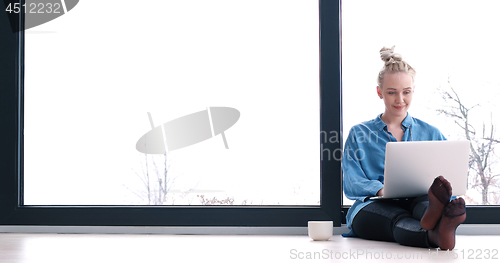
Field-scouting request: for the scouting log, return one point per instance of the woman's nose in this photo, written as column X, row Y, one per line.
column 399, row 98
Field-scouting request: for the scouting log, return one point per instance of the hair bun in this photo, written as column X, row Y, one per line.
column 388, row 56
column 393, row 63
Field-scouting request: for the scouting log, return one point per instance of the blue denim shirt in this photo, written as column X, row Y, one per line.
column 364, row 157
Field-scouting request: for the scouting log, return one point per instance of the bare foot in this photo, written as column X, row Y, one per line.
column 439, row 196
column 444, row 233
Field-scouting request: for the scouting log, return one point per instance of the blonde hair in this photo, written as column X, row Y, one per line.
column 393, row 63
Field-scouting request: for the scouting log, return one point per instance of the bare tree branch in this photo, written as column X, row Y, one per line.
column 482, row 149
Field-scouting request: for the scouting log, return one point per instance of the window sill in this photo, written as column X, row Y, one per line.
column 464, row 229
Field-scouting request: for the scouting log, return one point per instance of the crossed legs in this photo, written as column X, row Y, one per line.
column 427, row 221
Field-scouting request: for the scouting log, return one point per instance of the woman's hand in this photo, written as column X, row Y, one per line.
column 380, row 192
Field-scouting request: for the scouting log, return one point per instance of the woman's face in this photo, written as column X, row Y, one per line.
column 397, row 92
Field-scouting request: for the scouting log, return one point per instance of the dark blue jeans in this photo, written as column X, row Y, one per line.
column 394, row 221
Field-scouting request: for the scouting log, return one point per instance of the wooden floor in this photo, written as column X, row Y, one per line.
column 88, row 248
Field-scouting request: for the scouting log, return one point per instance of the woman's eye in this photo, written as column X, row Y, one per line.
column 391, row 93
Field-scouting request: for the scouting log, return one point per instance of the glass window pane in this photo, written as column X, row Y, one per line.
column 241, row 78
column 452, row 48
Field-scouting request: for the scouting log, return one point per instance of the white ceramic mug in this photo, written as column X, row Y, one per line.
column 320, row 230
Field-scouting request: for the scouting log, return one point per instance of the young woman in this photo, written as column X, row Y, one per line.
column 425, row 221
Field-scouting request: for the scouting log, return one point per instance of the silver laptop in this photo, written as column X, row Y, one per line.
column 410, row 167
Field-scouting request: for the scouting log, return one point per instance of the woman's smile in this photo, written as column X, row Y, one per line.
column 399, row 107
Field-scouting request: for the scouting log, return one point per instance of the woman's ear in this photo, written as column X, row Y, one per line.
column 379, row 92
